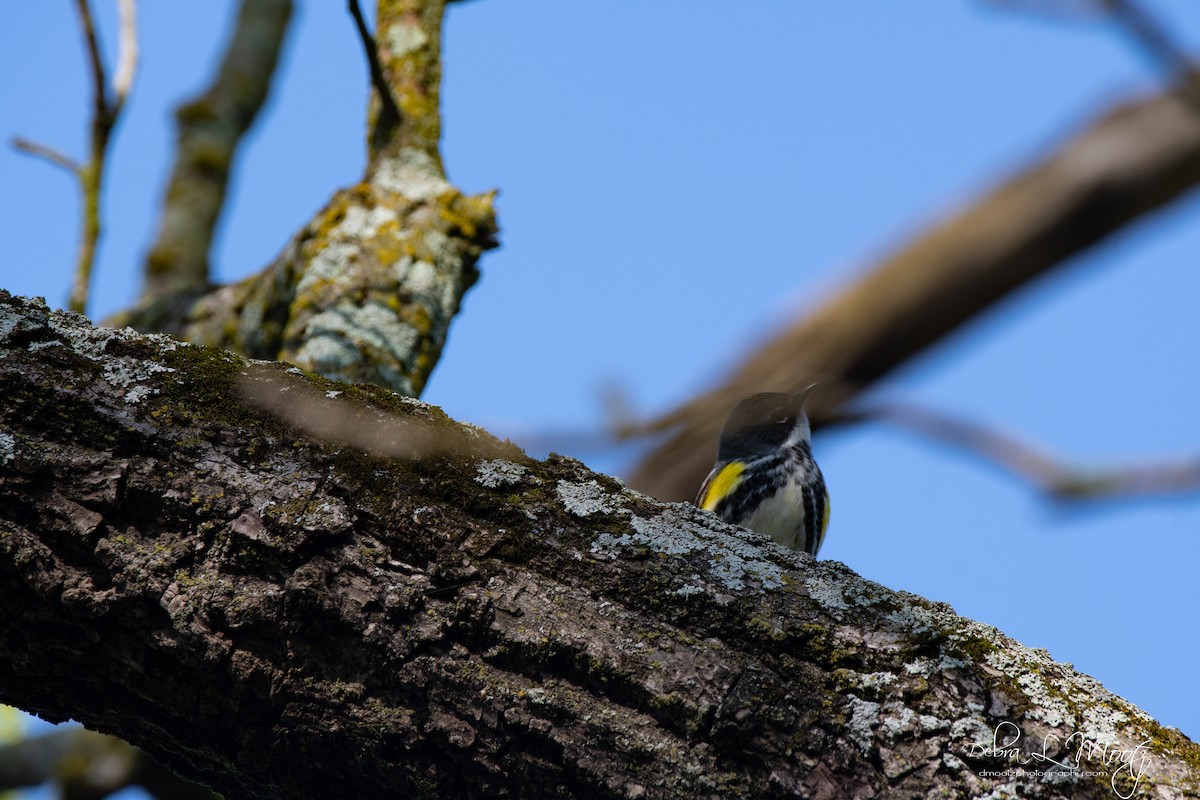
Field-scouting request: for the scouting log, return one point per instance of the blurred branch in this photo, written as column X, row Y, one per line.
column 85, row 765
column 330, row 417
column 210, row 129
column 106, row 110
column 47, row 153
column 1051, row 475
column 127, row 50
column 1157, row 43
column 389, row 115
column 1133, row 160
column 1138, row 25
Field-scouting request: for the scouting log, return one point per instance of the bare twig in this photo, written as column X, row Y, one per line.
column 91, row 177
column 389, row 114
column 1158, row 44
column 95, row 61
column 1046, row 472
column 48, row 154
column 106, row 109
column 1138, row 25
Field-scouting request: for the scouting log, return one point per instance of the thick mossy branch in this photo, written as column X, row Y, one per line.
column 366, row 291
column 279, row 615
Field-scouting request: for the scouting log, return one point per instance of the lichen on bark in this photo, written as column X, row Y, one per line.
column 281, row 614
column 367, row 289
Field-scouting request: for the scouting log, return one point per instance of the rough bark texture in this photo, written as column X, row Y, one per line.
column 1136, row 158
column 366, row 290
column 281, row 616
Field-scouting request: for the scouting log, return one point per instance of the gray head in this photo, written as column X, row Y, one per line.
column 762, row 423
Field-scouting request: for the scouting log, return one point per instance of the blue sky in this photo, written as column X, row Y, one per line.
column 680, row 179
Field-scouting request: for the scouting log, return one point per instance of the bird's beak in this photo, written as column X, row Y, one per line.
column 802, row 396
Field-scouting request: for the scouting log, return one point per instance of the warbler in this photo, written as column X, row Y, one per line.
column 765, row 478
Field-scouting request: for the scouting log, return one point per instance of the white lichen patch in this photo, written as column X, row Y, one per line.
column 826, row 592
column 1055, row 695
column 864, row 716
column 877, row 680
column 9, row 320
column 585, row 499
column 93, row 344
column 495, row 473
column 332, row 262
column 731, row 557
column 436, row 286
column 471, row 430
column 333, row 338
column 139, row 393
column 404, row 37
column 897, row 723
column 361, row 223
column 412, row 173
column 8, row 448
column 419, row 277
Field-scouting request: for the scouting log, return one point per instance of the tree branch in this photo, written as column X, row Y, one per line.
column 48, row 154
column 106, row 111
column 1057, row 479
column 1157, row 43
column 127, row 51
column 365, row 291
column 280, row 616
column 1139, row 26
column 1135, row 159
column 100, row 104
column 210, row 129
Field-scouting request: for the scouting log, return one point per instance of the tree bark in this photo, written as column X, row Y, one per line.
column 279, row 615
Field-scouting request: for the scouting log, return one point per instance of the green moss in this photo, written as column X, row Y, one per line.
column 975, row 649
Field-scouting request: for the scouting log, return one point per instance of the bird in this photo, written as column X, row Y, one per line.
column 765, row 478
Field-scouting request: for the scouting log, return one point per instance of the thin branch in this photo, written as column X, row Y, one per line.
column 105, row 111
column 95, row 61
column 1157, row 43
column 127, row 52
column 48, row 154
column 389, row 115
column 1051, row 475
column 1138, row 24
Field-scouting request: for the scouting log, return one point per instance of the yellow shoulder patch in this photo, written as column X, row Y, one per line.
column 721, row 484
column 825, row 516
